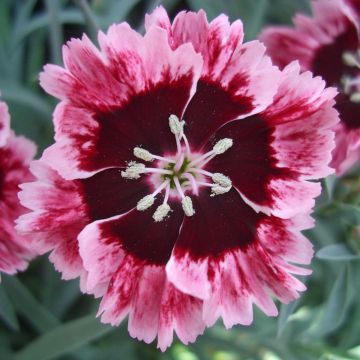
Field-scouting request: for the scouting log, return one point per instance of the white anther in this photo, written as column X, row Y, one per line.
column 219, row 190
column 222, row 145
column 145, row 202
column 221, row 179
column 143, row 154
column 187, row 206
column 350, row 59
column 176, row 126
column 161, row 212
column 355, row 97
column 133, row 170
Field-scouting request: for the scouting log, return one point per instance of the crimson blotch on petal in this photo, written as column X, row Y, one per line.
column 189, row 164
column 328, row 45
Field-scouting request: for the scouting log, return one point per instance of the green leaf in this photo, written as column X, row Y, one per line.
column 26, row 305
column 285, row 311
column 329, row 184
column 7, row 312
column 56, row 38
column 336, row 252
column 337, row 305
column 68, row 16
column 64, row 339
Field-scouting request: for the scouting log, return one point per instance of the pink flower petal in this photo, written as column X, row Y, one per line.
column 59, row 215
column 15, row 156
column 319, row 43
column 153, row 83
column 232, row 264
column 4, row 123
column 282, row 147
column 236, row 81
column 130, row 259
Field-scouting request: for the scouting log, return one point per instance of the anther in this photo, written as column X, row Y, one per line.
column 355, row 97
column 143, row 154
column 350, row 59
column 176, row 126
column 161, row 212
column 133, row 170
column 222, row 145
column 222, row 180
column 219, row 190
column 145, row 202
column 187, row 206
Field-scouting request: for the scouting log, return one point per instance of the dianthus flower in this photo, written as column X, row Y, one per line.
column 328, row 45
column 16, row 153
column 177, row 186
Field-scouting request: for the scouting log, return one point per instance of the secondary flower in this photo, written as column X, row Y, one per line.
column 15, row 156
column 328, row 45
column 177, row 186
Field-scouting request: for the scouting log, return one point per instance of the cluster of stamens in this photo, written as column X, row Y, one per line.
column 351, row 84
column 179, row 174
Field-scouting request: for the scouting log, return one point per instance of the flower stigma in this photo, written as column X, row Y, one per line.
column 178, row 175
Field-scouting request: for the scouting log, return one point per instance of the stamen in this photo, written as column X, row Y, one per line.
column 186, row 141
column 157, row 171
column 355, row 97
column 145, row 202
column 178, row 187
column 193, row 182
column 350, row 59
column 161, row 187
column 222, row 180
column 167, row 193
column 222, row 145
column 187, row 206
column 219, row 148
column 143, row 154
column 219, row 190
column 133, row 170
column 176, row 126
column 179, row 162
column 200, row 171
column 148, row 200
column 161, row 212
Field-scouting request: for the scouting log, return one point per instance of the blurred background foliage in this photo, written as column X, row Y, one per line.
column 43, row 317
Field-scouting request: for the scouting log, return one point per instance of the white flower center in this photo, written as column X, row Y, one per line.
column 180, row 174
column 351, row 83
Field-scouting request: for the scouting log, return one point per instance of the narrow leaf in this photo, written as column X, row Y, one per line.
column 7, row 312
column 63, row 339
column 336, row 252
column 28, row 306
column 336, row 306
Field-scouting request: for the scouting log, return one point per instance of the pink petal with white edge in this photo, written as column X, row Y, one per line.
column 154, row 306
column 282, row 147
column 303, row 116
column 15, row 156
column 230, row 266
column 180, row 313
column 129, row 258
column 4, row 123
column 240, row 69
column 332, row 20
column 236, row 81
column 154, row 82
column 347, row 152
column 58, row 216
column 158, row 17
